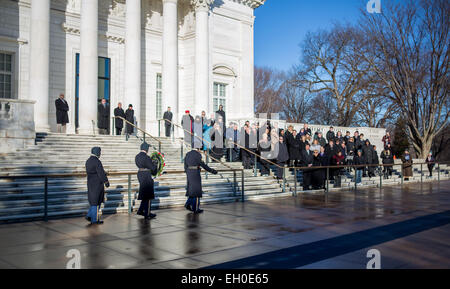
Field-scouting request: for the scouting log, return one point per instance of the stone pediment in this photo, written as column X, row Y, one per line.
column 224, row 69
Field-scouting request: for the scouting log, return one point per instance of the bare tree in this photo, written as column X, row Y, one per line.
column 331, row 64
column 409, row 44
column 377, row 111
column 267, row 90
column 322, row 109
column 295, row 100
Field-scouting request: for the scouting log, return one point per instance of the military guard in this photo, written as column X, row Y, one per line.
column 192, row 166
column 146, row 190
column 96, row 180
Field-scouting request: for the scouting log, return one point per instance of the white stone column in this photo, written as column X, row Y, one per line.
column 88, row 103
column 170, row 58
column 40, row 62
column 133, row 58
column 201, row 92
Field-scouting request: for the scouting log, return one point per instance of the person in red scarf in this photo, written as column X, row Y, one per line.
column 187, row 123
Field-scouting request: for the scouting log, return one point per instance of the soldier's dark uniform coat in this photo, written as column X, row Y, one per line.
column 96, row 178
column 194, row 180
column 146, row 189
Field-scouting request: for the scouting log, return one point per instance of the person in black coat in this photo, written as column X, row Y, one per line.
column 167, row 121
column 318, row 174
column 307, row 161
column 264, row 148
column 96, row 182
column 282, row 158
column 430, row 160
column 217, row 142
column 331, row 149
column 146, row 185
column 129, row 116
column 62, row 118
column 387, row 158
column 368, row 153
column 293, row 144
column 103, row 117
column 118, row 122
column 330, row 134
column 246, row 154
column 192, row 166
column 221, row 112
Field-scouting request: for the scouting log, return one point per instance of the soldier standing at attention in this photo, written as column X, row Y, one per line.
column 192, row 166
column 96, row 180
column 146, row 190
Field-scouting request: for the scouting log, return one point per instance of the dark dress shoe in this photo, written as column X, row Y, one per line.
column 199, row 211
column 140, row 213
column 87, row 219
column 188, row 207
column 150, row 216
column 98, row 222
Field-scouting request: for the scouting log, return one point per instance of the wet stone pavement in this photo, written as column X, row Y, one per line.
column 409, row 225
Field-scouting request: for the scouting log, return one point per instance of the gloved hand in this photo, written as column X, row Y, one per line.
column 107, row 184
column 214, row 172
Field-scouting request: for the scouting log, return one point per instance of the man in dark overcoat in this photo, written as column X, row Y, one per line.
column 307, row 161
column 192, row 166
column 129, row 116
column 146, row 185
column 118, row 111
column 103, row 117
column 282, row 157
column 62, row 117
column 221, row 113
column 96, row 180
column 168, row 121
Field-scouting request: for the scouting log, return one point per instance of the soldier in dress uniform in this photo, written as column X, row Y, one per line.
column 96, row 180
column 146, row 190
column 192, row 166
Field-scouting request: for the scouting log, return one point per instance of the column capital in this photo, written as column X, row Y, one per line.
column 201, row 4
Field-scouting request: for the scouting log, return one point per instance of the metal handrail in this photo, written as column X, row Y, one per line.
column 141, row 130
column 55, row 176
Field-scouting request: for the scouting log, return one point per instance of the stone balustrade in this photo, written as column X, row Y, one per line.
column 17, row 128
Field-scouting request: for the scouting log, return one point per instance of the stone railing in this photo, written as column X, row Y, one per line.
column 16, row 124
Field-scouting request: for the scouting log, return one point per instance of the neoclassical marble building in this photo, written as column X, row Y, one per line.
column 187, row 54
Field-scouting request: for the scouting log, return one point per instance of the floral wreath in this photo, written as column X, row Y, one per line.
column 159, row 158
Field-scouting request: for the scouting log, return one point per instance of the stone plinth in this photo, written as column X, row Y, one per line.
column 17, row 129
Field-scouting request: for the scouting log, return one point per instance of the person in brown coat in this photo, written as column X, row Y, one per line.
column 407, row 171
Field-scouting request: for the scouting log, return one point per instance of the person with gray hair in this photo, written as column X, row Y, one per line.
column 62, row 117
column 96, row 182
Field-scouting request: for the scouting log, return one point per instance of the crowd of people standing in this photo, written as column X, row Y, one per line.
column 265, row 145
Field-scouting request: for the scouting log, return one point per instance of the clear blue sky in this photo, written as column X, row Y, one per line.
column 280, row 26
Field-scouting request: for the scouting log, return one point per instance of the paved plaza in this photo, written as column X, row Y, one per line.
column 409, row 225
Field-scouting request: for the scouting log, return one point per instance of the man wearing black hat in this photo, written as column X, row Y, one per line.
column 192, row 166
column 96, row 180
column 146, row 190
